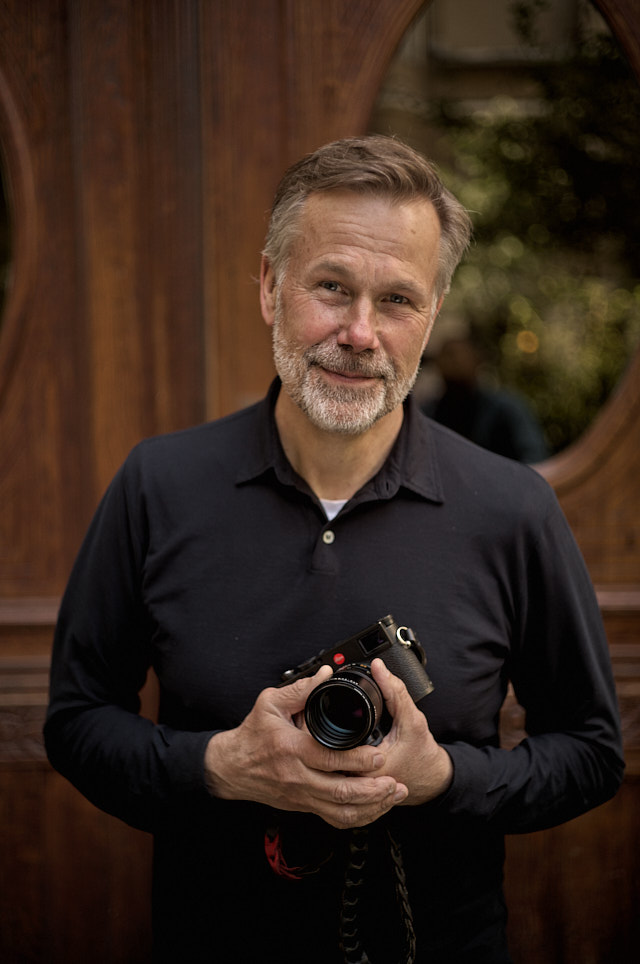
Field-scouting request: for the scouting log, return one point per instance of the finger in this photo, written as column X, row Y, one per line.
column 364, row 792
column 293, row 697
column 361, row 759
column 353, row 813
column 373, row 795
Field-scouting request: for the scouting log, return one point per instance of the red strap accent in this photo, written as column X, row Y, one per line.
column 273, row 850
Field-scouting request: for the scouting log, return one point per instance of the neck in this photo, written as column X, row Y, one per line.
column 334, row 465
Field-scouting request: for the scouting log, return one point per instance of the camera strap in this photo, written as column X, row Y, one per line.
column 296, row 839
column 355, row 853
column 278, row 863
column 350, row 939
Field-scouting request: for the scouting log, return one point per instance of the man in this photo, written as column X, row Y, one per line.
column 226, row 554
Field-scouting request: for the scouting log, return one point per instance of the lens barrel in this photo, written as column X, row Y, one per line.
column 343, row 712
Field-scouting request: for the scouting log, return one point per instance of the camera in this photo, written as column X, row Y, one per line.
column 348, row 709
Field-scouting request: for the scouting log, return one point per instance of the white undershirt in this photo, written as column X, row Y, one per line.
column 332, row 507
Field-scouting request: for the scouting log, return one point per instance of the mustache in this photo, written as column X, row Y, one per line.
column 344, row 361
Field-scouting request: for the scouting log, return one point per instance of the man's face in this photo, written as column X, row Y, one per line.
column 353, row 312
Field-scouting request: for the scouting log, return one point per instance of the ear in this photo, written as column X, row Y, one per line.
column 267, row 291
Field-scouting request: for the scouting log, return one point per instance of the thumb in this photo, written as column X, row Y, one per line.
column 392, row 688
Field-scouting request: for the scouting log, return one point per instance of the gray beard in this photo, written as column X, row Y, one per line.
column 338, row 408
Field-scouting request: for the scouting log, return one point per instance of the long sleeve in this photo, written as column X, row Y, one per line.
column 122, row 762
column 572, row 758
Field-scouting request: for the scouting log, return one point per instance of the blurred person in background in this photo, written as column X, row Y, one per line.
column 496, row 419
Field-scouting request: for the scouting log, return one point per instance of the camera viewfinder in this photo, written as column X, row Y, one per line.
column 372, row 641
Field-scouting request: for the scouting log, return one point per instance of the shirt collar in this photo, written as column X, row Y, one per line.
column 412, row 463
column 414, row 457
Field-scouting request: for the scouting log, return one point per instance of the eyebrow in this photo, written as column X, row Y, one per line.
column 331, row 267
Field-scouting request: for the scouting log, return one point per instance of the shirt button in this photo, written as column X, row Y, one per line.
column 328, row 536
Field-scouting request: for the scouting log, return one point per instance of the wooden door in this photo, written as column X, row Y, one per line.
column 142, row 141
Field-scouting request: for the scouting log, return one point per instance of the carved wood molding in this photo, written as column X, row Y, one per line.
column 29, row 611
column 619, row 599
column 625, row 659
column 24, row 684
column 618, row 420
column 622, row 17
column 620, row 607
column 24, row 679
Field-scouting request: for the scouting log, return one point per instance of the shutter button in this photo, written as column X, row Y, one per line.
column 328, row 536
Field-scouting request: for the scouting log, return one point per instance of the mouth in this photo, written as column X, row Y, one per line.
column 350, row 376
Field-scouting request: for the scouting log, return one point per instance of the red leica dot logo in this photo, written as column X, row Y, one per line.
column 338, row 659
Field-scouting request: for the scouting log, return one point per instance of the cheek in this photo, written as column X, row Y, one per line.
column 305, row 321
column 405, row 349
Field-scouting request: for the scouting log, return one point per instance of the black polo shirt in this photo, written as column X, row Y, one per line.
column 211, row 560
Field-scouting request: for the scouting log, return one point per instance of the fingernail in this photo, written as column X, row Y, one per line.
column 401, row 794
column 378, row 761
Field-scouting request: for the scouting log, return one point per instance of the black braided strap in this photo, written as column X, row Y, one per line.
column 350, row 939
column 402, row 895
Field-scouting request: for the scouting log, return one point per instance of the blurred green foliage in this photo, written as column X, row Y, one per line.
column 551, row 287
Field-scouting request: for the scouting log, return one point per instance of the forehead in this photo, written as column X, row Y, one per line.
column 354, row 226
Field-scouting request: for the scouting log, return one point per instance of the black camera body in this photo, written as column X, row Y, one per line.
column 348, row 709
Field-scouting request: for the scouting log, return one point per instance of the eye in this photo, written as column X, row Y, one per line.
column 398, row 300
column 330, row 285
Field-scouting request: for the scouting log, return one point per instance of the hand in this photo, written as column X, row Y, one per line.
column 270, row 760
column 412, row 755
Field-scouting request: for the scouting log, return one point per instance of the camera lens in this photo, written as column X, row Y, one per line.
column 343, row 711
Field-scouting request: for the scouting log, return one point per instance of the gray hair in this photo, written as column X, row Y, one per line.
column 375, row 165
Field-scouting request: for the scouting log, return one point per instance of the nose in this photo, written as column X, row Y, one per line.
column 359, row 330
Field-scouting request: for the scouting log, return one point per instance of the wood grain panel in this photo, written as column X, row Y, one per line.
column 41, row 361
column 105, row 69
column 23, row 864
column 101, row 338
column 573, row 892
column 98, row 882
column 137, row 152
